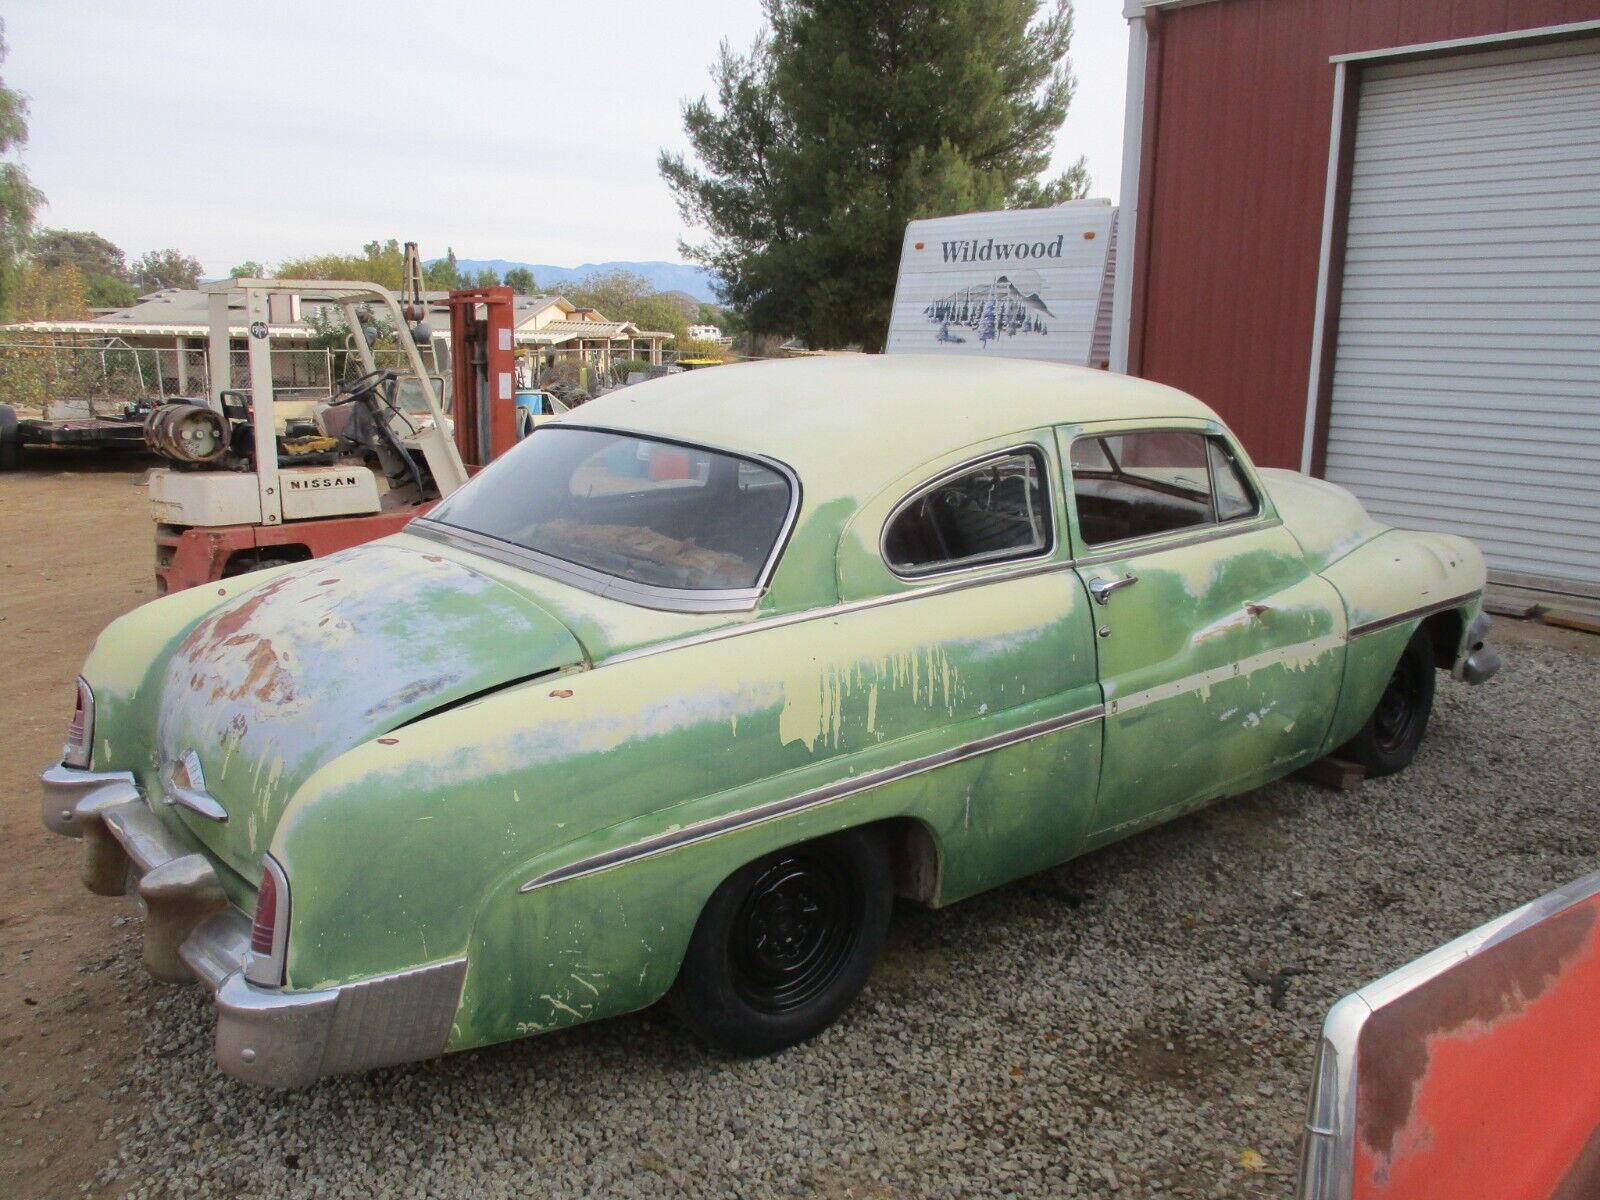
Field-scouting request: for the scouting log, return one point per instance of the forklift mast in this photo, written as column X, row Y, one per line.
column 482, row 337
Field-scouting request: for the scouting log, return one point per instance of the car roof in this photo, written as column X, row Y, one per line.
column 850, row 423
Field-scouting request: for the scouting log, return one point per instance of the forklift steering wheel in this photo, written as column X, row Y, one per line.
column 357, row 388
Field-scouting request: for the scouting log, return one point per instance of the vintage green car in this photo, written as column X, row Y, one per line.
column 680, row 693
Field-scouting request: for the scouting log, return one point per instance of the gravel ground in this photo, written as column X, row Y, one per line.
column 1130, row 1024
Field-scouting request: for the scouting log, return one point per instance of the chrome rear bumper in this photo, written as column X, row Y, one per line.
column 267, row 1036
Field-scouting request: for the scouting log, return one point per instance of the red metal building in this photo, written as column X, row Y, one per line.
column 1367, row 232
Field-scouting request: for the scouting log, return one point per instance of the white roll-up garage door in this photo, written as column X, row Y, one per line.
column 1466, row 390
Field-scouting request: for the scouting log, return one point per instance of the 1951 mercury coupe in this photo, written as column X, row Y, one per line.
column 677, row 695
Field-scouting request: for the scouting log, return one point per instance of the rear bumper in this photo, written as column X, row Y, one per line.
column 268, row 1036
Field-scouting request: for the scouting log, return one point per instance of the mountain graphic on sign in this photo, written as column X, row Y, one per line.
column 997, row 309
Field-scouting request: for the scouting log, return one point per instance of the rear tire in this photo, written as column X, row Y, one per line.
column 1389, row 740
column 785, row 943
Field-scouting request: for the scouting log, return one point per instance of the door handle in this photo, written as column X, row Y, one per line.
column 1101, row 589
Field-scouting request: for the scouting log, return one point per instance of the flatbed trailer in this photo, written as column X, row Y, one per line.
column 101, row 425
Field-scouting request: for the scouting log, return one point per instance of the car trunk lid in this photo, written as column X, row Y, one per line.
column 289, row 675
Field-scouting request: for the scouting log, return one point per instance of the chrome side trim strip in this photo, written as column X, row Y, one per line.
column 1132, row 546
column 1426, row 610
column 827, row 794
column 1206, row 679
column 836, row 610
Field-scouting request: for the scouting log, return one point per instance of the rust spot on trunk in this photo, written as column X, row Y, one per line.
column 266, row 680
column 1487, row 988
column 1582, row 1180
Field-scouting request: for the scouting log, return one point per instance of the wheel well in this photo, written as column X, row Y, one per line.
column 249, row 560
column 913, row 857
column 1445, row 631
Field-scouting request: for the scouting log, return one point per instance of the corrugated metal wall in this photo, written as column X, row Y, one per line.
column 1238, row 102
column 1466, row 387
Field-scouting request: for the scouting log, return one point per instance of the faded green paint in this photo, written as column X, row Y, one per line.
column 532, row 778
column 414, row 848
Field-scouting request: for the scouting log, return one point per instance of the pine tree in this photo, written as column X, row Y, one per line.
column 849, row 118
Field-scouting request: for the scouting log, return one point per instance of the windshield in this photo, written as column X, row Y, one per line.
column 653, row 513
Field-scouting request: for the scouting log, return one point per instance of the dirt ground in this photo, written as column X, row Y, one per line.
column 75, row 551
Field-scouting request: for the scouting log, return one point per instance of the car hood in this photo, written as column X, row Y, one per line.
column 287, row 676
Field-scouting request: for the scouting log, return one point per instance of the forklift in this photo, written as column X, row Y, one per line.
column 257, row 481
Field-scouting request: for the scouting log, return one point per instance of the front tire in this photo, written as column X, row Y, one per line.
column 1389, row 740
column 785, row 943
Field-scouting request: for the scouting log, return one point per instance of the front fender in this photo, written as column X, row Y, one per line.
column 1390, row 586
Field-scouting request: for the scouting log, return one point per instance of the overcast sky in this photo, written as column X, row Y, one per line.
column 522, row 130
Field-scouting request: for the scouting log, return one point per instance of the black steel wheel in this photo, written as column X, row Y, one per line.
column 785, row 943
column 1389, row 740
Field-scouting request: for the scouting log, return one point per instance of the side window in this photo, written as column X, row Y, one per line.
column 988, row 512
column 1136, row 485
column 1232, row 490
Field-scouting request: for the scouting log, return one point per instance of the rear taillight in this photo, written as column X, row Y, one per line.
column 269, row 930
column 80, row 733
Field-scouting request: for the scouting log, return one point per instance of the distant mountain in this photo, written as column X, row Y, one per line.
column 663, row 276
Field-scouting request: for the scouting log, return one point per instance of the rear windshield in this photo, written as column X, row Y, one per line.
column 650, row 512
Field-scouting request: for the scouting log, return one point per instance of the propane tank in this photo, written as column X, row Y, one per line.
column 187, row 433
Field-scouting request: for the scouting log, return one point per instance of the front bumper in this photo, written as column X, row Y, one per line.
column 1479, row 660
column 268, row 1036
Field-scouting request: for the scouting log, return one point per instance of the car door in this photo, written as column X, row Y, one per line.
column 1219, row 652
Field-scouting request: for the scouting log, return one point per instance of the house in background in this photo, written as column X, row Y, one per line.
column 158, row 346
column 1368, row 234
column 557, row 329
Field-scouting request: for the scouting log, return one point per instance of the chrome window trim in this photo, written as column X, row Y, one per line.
column 701, row 831
column 597, row 583
column 614, row 587
column 1205, row 430
column 1231, row 453
column 1412, row 614
column 269, row 971
column 975, row 561
column 1327, row 1153
column 1151, row 543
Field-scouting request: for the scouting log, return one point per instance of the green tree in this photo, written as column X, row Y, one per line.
column 248, row 269
column 19, row 199
column 101, row 264
column 521, row 281
column 41, row 293
column 157, row 269
column 382, row 263
column 621, row 295
column 849, row 118
column 487, row 277
column 443, row 273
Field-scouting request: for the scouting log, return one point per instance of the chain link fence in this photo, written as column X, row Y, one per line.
column 36, row 377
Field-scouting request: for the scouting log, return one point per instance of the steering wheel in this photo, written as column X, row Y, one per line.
column 349, row 393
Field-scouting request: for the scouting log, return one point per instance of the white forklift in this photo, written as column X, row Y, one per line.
column 257, row 480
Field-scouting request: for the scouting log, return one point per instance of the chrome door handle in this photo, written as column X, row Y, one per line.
column 1101, row 589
